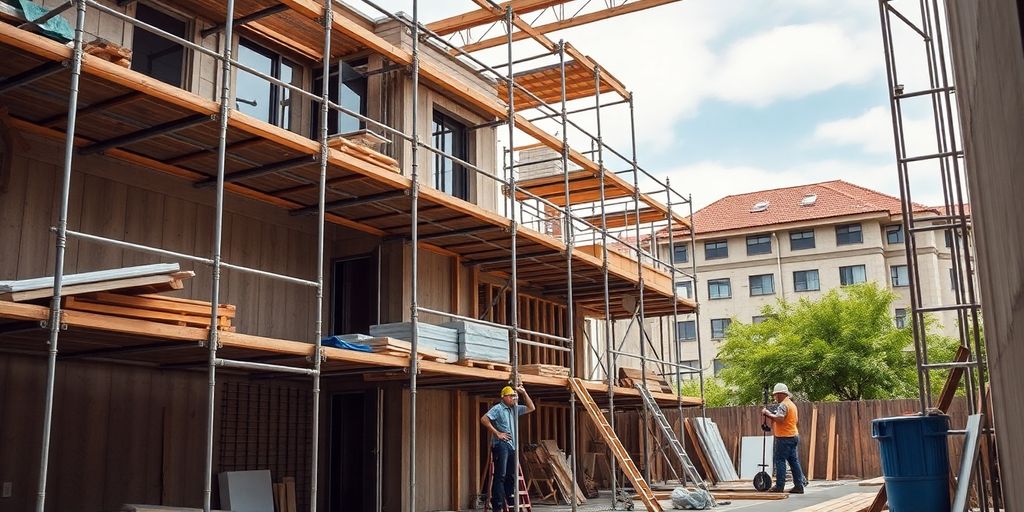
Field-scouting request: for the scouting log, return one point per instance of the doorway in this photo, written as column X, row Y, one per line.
column 353, row 449
column 355, row 294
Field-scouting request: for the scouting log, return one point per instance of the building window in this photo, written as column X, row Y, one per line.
column 716, row 250
column 901, row 318
column 852, row 275
column 719, row 366
column 256, row 96
column 849, row 234
column 352, row 83
column 687, row 372
column 686, row 330
column 756, row 319
column 449, row 136
column 759, row 244
column 155, row 56
column 762, row 285
column 680, row 254
column 719, row 326
column 806, row 281
column 953, row 279
column 684, row 289
column 948, row 235
column 894, row 234
column 899, row 276
column 719, row 289
column 801, row 240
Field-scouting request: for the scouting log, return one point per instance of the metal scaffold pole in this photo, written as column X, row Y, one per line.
column 675, row 311
column 414, row 307
column 641, row 327
column 696, row 309
column 514, row 227
column 61, row 246
column 218, row 235
column 569, row 242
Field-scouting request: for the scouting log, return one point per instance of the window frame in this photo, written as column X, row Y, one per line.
column 724, row 328
column 900, row 321
column 894, row 275
column 675, row 253
column 460, row 149
column 894, row 229
column 760, row 242
column 688, row 284
column 720, row 251
column 795, row 240
column 686, row 325
column 853, row 275
column 807, row 288
column 275, row 92
column 358, row 85
column 771, row 281
column 718, row 284
column 844, row 234
column 186, row 34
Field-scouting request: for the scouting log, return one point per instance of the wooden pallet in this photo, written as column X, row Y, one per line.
column 856, row 502
column 154, row 308
column 546, row 370
column 487, row 365
column 625, row 462
column 630, row 377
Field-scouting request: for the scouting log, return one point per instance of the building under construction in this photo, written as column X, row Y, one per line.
column 211, row 191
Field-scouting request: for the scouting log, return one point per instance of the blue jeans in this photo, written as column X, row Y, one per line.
column 785, row 451
column 503, row 484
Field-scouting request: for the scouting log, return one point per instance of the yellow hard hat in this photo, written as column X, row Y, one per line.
column 507, row 390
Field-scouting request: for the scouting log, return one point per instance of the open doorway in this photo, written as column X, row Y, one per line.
column 355, row 294
column 353, row 445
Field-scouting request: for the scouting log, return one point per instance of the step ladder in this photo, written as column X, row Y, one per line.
column 524, row 491
column 670, row 436
column 628, row 467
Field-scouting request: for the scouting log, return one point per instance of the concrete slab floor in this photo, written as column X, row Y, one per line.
column 819, row 491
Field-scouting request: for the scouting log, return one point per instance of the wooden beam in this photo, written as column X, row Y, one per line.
column 457, row 449
column 814, row 439
column 486, row 15
column 830, row 460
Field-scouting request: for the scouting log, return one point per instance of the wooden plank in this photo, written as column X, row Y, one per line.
column 456, row 476
column 149, row 283
column 855, row 502
column 811, row 446
column 830, row 462
column 289, row 494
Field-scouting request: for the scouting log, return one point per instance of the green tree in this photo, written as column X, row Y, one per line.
column 843, row 346
column 716, row 394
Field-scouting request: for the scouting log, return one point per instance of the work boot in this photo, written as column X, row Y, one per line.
column 796, row 490
column 776, row 489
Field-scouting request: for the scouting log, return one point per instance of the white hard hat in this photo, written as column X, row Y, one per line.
column 781, row 388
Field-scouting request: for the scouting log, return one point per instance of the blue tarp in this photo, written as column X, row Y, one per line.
column 337, row 342
column 56, row 28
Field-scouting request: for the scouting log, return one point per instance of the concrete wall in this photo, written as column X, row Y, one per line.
column 988, row 63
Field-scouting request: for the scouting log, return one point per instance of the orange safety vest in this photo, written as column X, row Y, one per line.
column 787, row 426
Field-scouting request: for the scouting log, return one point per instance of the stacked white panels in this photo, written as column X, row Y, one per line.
column 436, row 337
column 481, row 342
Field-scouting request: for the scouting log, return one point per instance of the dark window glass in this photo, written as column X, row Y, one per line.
column 894, row 234
column 759, row 244
column 801, row 240
column 719, row 366
column 155, row 56
column 762, row 285
column 806, row 280
column 899, row 276
column 449, row 136
column 680, row 254
column 952, row 279
column 352, row 84
column 256, row 96
column 686, row 372
column 852, row 275
column 719, row 326
column 849, row 234
column 719, row 289
column 685, row 289
column 686, row 330
column 901, row 318
column 758, row 319
column 716, row 250
column 948, row 238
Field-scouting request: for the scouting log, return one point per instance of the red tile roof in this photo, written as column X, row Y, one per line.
column 832, row 199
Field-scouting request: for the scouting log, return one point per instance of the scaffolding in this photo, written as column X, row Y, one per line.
column 524, row 206
column 931, row 94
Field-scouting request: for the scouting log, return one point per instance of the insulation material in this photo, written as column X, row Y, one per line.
column 90, row 277
column 750, row 455
column 246, row 491
column 479, row 342
column 714, row 449
column 436, row 337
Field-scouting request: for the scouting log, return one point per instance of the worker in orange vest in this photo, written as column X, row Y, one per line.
column 787, row 439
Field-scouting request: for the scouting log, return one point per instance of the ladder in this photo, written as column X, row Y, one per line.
column 523, row 489
column 628, row 467
column 670, row 436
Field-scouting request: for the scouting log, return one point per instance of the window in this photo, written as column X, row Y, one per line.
column 759, row 244
column 852, row 275
column 894, row 234
column 806, row 281
column 155, row 56
column 719, row 366
column 449, row 136
column 801, row 240
column 762, row 285
column 719, row 289
column 716, row 250
column 680, row 254
column 686, row 330
column 949, row 238
column 900, row 318
column 687, row 372
column 719, row 326
column 685, row 289
column 953, row 279
column 758, row 319
column 256, row 96
column 899, row 276
column 352, row 83
column 849, row 234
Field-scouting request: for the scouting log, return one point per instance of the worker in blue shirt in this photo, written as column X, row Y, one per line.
column 499, row 421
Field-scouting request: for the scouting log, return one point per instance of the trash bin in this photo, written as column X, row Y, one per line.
column 915, row 461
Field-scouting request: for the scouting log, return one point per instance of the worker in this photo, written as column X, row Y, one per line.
column 787, row 439
column 499, row 420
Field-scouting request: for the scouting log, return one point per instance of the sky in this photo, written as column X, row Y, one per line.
column 733, row 96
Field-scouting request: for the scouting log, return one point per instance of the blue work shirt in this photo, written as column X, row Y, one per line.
column 501, row 418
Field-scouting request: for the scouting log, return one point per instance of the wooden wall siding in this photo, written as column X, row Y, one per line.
column 120, row 434
column 265, row 426
column 433, row 449
column 535, row 314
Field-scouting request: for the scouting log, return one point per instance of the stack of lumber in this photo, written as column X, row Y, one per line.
column 284, row 495
column 156, row 278
column 155, row 308
column 393, row 347
column 538, row 476
column 478, row 342
column 441, row 339
column 109, row 52
column 560, row 470
column 856, row 502
column 361, row 152
column 710, row 449
column 546, row 370
column 630, row 377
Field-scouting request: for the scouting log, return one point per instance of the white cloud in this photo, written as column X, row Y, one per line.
column 872, row 132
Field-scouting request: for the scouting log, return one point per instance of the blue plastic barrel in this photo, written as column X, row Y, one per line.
column 915, row 461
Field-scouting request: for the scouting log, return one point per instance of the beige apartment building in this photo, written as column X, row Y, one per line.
column 794, row 243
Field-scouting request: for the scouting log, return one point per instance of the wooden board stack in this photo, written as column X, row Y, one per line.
column 109, row 51
column 559, row 468
column 629, row 377
column 546, row 370
column 856, row 502
column 441, row 339
column 393, row 347
column 155, row 308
